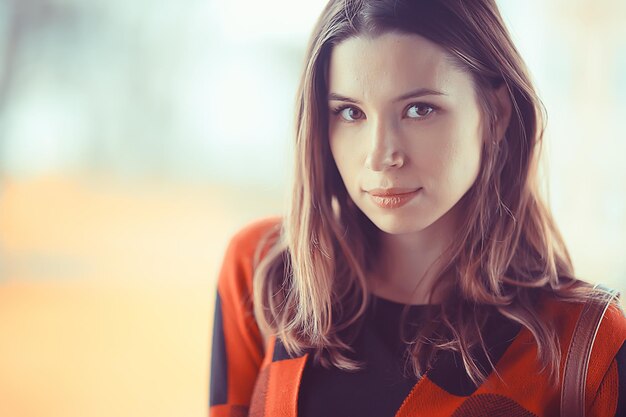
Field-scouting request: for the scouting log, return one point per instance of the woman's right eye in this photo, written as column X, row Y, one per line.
column 349, row 114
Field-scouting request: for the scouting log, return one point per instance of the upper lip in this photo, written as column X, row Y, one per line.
column 383, row 192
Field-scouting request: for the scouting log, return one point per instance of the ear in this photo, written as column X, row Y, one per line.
column 502, row 106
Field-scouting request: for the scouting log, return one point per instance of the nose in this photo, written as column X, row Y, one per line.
column 384, row 150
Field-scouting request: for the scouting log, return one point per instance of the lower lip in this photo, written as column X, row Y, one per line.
column 393, row 201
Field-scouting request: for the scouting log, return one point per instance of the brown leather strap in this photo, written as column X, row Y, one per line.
column 579, row 353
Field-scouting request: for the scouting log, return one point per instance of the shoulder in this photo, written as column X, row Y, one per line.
column 564, row 315
column 246, row 241
column 244, row 248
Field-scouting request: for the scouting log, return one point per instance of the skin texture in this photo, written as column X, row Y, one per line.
column 432, row 142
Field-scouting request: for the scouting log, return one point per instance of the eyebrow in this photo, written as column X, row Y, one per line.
column 411, row 94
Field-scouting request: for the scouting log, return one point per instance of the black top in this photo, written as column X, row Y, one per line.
column 379, row 389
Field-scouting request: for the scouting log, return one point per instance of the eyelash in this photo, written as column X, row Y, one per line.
column 341, row 108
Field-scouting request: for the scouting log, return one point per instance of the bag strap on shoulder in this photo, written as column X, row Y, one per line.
column 579, row 353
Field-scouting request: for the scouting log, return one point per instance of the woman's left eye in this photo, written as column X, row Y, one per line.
column 419, row 111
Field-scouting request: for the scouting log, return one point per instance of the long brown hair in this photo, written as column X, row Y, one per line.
column 310, row 288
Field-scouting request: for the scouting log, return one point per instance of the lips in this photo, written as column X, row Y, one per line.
column 390, row 192
column 391, row 198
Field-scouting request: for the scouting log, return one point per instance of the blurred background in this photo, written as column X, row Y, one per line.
column 137, row 136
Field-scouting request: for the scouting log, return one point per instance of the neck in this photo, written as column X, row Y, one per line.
column 409, row 264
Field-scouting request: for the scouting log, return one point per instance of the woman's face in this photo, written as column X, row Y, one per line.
column 404, row 130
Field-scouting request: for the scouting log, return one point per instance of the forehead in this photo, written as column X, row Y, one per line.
column 391, row 64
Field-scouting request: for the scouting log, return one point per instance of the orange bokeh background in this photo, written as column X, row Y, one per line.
column 106, row 295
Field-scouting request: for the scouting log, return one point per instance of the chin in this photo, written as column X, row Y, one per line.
column 394, row 225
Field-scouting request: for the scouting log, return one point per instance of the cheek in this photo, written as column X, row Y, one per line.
column 452, row 157
column 464, row 157
column 436, row 151
column 345, row 159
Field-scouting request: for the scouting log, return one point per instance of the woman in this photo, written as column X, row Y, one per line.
column 418, row 271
